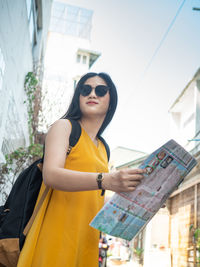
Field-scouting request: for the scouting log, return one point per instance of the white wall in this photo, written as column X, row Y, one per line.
column 61, row 67
column 157, row 251
column 183, row 117
column 16, row 55
column 16, row 51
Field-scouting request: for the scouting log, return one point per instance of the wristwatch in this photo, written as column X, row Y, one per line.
column 99, row 182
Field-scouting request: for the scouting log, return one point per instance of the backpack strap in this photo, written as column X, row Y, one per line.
column 36, row 210
column 73, row 139
column 106, row 146
column 75, row 134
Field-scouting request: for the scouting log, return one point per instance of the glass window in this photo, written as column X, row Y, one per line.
column 75, row 21
column 28, row 6
column 78, row 58
column 84, row 59
column 31, row 28
column 33, row 20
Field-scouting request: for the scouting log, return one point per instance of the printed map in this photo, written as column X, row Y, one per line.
column 125, row 214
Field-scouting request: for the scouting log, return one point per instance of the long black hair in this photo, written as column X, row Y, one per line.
column 74, row 111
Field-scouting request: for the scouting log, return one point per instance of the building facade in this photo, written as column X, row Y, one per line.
column 183, row 204
column 68, row 57
column 169, row 240
column 185, row 115
column 23, row 32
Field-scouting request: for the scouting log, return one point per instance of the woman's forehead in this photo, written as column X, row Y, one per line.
column 96, row 80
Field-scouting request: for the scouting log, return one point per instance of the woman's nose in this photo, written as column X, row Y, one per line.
column 93, row 94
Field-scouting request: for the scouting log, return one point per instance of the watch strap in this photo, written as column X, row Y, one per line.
column 99, row 183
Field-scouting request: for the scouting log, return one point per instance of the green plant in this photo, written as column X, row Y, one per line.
column 196, row 240
column 23, row 156
column 109, row 253
column 30, row 86
column 15, row 162
column 138, row 251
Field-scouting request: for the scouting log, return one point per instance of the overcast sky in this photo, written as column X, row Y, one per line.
column 151, row 49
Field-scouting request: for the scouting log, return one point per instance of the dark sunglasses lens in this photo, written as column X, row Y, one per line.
column 86, row 90
column 101, row 90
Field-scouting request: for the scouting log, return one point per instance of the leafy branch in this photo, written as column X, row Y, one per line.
column 23, row 156
column 30, row 88
column 196, row 240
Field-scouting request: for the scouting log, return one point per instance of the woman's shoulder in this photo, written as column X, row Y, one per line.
column 61, row 125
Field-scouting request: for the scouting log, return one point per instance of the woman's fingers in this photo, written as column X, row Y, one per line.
column 136, row 171
column 135, row 177
column 134, row 183
column 124, row 180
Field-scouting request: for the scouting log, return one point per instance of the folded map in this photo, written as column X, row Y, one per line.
column 126, row 214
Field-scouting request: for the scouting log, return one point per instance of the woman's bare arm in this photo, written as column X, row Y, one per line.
column 57, row 177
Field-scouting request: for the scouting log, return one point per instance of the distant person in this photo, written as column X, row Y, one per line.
column 103, row 248
column 60, row 235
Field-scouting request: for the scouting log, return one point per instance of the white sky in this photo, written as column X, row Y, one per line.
column 127, row 33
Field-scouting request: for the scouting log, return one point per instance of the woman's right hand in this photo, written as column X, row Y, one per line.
column 124, row 180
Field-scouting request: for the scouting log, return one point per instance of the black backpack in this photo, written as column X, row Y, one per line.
column 16, row 215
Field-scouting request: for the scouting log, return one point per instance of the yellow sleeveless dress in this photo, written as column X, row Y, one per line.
column 60, row 235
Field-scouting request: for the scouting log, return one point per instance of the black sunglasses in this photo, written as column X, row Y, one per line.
column 100, row 90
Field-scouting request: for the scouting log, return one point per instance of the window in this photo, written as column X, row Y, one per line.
column 84, row 59
column 81, row 58
column 71, row 20
column 34, row 19
column 78, row 58
column 28, row 6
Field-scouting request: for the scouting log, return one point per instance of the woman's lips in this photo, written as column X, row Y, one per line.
column 92, row 103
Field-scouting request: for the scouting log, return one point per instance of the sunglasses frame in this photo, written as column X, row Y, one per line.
column 97, row 88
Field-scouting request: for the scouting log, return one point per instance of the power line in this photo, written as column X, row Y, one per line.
column 163, row 39
column 158, row 47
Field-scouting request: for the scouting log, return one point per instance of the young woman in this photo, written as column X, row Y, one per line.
column 60, row 235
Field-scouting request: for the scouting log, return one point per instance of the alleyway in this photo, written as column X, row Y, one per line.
column 122, row 264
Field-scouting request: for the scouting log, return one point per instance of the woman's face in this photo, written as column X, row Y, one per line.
column 92, row 104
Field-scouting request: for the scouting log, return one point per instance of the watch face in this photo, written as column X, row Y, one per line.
column 99, row 177
column 99, row 180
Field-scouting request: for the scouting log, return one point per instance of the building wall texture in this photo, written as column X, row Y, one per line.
column 182, row 217
column 17, row 57
column 67, row 46
column 184, row 203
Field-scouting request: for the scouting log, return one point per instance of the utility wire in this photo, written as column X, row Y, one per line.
column 158, row 47
column 163, row 39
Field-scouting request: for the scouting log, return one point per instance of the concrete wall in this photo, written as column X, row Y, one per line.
column 185, row 115
column 182, row 216
column 61, row 69
column 17, row 55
